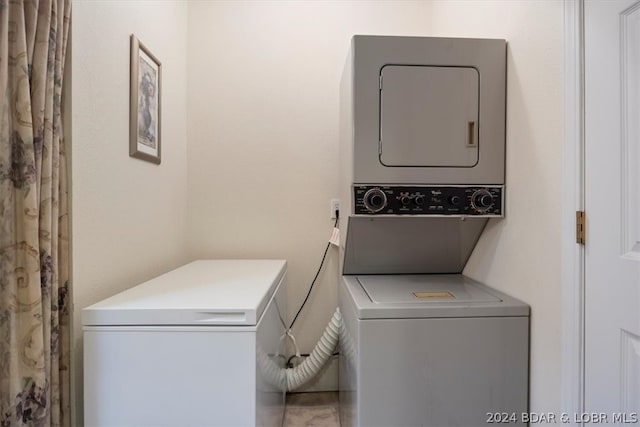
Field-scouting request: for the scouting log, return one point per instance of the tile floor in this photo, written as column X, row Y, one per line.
column 312, row 410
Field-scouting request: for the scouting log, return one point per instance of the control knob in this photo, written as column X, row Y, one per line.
column 454, row 200
column 375, row 200
column 482, row 200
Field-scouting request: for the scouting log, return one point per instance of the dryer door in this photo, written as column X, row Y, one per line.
column 429, row 116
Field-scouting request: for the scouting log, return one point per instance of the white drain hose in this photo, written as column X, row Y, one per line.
column 302, row 373
column 292, row 378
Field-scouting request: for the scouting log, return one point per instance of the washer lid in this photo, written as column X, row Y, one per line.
column 425, row 296
column 205, row 292
column 421, row 289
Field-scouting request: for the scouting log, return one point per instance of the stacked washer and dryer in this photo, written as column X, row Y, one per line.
column 423, row 171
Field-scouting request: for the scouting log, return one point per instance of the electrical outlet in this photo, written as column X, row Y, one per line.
column 334, row 206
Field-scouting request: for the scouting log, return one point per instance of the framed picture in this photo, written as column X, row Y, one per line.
column 145, row 106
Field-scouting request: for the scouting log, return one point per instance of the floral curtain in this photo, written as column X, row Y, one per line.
column 34, row 306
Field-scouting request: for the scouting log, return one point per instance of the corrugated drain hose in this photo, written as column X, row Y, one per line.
column 302, row 373
column 295, row 377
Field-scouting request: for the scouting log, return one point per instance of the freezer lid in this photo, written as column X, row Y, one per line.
column 424, row 289
column 204, row 292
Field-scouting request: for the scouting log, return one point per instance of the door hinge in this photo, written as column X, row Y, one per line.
column 580, row 227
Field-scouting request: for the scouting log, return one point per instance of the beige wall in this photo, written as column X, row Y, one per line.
column 263, row 132
column 520, row 254
column 129, row 216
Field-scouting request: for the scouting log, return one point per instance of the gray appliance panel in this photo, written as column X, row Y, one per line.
column 429, row 116
column 370, row 54
column 424, row 289
column 401, row 245
column 388, row 306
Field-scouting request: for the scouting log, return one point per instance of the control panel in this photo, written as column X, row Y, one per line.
column 428, row 200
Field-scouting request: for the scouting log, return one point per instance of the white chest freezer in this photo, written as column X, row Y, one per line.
column 193, row 347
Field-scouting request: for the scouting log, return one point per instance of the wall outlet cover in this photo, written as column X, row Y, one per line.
column 334, row 205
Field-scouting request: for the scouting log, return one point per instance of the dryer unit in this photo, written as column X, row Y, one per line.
column 422, row 136
column 426, row 110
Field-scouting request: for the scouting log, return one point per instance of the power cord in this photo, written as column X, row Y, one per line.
column 324, row 256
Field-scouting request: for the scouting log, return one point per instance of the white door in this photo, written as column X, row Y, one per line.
column 612, row 205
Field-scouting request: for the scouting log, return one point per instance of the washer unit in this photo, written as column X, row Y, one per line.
column 430, row 350
column 196, row 346
column 422, row 171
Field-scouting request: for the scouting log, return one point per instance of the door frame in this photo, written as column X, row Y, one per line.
column 573, row 194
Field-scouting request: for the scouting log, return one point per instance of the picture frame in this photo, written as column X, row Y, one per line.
column 145, row 95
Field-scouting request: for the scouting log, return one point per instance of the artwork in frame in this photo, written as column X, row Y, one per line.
column 145, row 107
